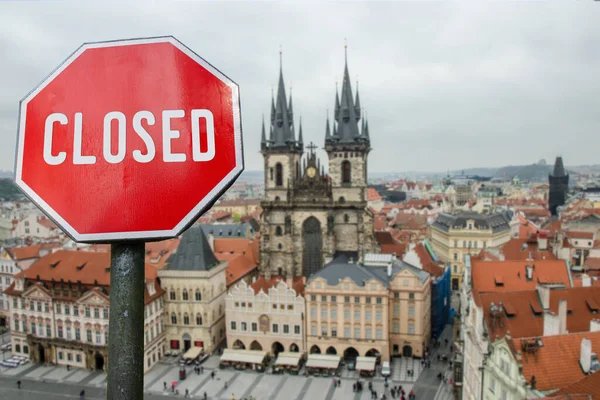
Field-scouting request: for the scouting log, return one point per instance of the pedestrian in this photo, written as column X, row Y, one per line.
column 446, row 341
column 354, row 387
column 187, row 393
column 212, row 375
column 82, row 395
column 68, row 367
column 165, row 386
column 172, row 387
column 339, row 382
column 205, row 396
column 393, row 391
column 19, row 384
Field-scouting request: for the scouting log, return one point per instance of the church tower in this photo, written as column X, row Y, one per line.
column 559, row 185
column 348, row 145
column 281, row 151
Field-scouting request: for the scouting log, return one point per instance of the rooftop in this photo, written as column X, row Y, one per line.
column 262, row 284
column 495, row 222
column 193, row 254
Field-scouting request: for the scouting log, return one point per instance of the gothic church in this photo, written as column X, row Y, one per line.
column 310, row 217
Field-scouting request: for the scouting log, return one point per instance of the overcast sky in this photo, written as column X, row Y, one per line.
column 444, row 85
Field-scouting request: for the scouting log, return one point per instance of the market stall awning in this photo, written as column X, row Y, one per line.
column 323, row 361
column 365, row 363
column 193, row 353
column 288, row 358
column 245, row 356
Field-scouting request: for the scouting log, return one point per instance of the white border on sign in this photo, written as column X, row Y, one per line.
column 194, row 213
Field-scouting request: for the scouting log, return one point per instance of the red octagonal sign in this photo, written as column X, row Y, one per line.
column 130, row 139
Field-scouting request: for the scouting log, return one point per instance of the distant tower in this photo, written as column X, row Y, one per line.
column 559, row 183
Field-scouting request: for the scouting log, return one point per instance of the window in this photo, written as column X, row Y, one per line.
column 475, row 244
column 313, row 312
column 16, row 303
column 76, row 311
column 333, row 299
column 455, row 269
column 39, row 306
column 33, row 328
column 67, row 310
column 455, row 243
column 368, row 300
column 396, row 309
column 275, row 328
column 346, row 218
column 233, row 326
column 356, row 333
column 278, row 174
column 484, row 245
column 186, row 319
column 368, row 333
column 77, row 334
column 243, row 326
column 347, row 332
column 198, row 295
column 396, row 327
column 492, row 385
column 346, row 172
column 286, row 329
column 411, row 311
column 313, row 330
column 323, row 298
column 464, row 243
column 396, row 295
column 334, row 313
column 347, row 299
column 357, row 299
column 378, row 315
column 411, row 296
column 504, row 395
column 378, row 334
column 68, row 333
column 96, row 313
column 173, row 319
column 87, row 312
column 357, row 315
column 88, row 335
column 184, row 295
column 32, row 305
column 296, row 329
column 455, row 256
column 278, row 231
column 24, row 325
column 48, row 331
column 334, row 332
column 60, row 332
column 198, row 319
column 78, row 358
column 254, row 327
column 411, row 328
column 379, row 300
column 313, row 297
column 347, row 315
column 172, row 295
column 98, row 337
column 271, row 173
column 323, row 313
column 324, row 330
column 367, row 315
column 60, row 355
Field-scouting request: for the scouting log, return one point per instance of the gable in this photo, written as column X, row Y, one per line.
column 93, row 298
column 35, row 292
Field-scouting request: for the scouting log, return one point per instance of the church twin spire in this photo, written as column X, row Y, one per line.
column 282, row 134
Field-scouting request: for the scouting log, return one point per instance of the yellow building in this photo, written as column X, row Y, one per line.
column 380, row 306
column 194, row 281
column 454, row 236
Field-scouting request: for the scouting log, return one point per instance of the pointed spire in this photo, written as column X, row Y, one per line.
column 336, row 110
column 327, row 130
column 282, row 124
column 559, row 168
column 263, row 136
column 300, row 138
column 357, row 103
column 366, row 134
column 347, row 114
column 272, row 107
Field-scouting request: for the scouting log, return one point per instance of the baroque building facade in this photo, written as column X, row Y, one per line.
column 310, row 216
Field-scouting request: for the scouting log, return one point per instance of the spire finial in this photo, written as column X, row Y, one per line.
column 280, row 57
column 346, row 49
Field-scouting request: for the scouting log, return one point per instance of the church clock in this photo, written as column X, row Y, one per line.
column 311, row 172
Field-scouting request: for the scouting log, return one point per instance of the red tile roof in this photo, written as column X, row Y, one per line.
column 582, row 389
column 579, row 235
column 514, row 277
column 46, row 223
column 523, row 249
column 33, row 251
column 380, row 223
column 556, row 363
column 372, row 195
column 592, row 263
column 238, row 267
column 262, row 284
column 157, row 253
column 427, row 261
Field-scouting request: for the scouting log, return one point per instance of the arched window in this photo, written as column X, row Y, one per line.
column 279, row 246
column 173, row 319
column 342, row 199
column 277, row 199
column 278, row 174
column 346, row 218
column 198, row 319
column 172, row 295
column 198, row 295
column 278, row 231
column 186, row 319
column 185, row 294
column 346, row 174
column 271, row 173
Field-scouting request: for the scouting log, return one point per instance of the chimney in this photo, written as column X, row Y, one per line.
column 544, row 293
column 586, row 281
column 211, row 241
column 585, row 357
column 562, row 316
column 595, row 325
column 551, row 324
column 528, row 272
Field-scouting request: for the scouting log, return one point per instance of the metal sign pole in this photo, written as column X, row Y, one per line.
column 126, row 324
